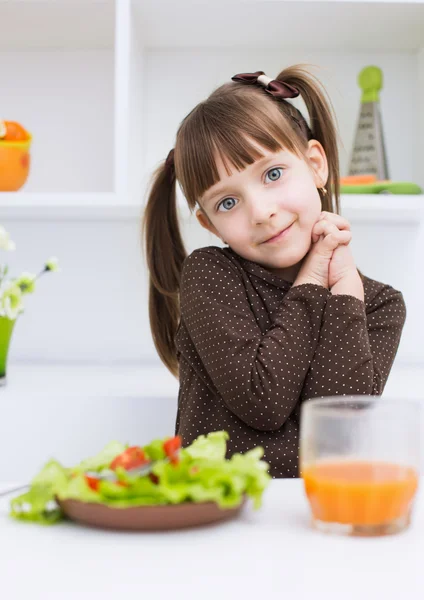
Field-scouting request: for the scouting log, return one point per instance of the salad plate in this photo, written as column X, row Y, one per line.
column 148, row 518
column 159, row 486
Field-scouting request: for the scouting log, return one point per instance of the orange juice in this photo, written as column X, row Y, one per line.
column 359, row 493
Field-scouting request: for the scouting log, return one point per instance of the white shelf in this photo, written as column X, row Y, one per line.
column 382, row 208
column 57, row 24
column 52, row 206
column 99, row 73
column 361, row 207
column 305, row 24
column 58, row 58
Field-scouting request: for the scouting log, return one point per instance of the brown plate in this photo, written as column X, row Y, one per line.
column 147, row 518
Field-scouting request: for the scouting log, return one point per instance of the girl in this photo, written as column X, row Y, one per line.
column 281, row 314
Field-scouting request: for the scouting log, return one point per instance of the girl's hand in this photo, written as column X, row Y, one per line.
column 342, row 264
column 327, row 234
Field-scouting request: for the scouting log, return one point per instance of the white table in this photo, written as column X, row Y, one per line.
column 270, row 553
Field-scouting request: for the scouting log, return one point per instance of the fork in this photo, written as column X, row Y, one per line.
column 142, row 470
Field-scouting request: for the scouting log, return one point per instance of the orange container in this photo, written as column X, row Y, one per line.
column 15, row 144
column 359, row 493
column 357, row 179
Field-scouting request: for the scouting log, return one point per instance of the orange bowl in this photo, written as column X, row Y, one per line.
column 14, row 164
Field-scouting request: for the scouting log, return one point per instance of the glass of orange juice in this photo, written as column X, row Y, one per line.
column 360, row 462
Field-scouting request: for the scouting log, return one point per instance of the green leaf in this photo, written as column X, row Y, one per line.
column 213, row 446
column 38, row 504
column 101, row 460
column 154, row 450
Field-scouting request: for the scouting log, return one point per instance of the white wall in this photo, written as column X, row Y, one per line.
column 65, row 100
column 193, row 74
column 96, row 309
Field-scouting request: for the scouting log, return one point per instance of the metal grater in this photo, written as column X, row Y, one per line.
column 369, row 154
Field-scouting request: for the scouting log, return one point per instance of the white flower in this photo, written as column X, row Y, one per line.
column 26, row 281
column 5, row 241
column 52, row 264
column 11, row 300
column 13, row 290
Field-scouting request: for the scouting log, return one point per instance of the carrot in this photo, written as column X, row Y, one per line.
column 357, row 179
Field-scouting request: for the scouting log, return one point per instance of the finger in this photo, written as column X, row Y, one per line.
column 341, row 222
column 338, row 220
column 334, row 240
column 325, row 230
column 321, row 229
column 334, row 235
column 325, row 227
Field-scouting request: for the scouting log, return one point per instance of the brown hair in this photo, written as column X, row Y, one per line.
column 223, row 124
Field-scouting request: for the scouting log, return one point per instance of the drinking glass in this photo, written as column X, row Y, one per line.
column 360, row 462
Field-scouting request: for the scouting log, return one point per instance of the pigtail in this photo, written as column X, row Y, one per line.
column 165, row 254
column 322, row 125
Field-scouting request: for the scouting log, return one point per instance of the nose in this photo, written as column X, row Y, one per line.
column 261, row 210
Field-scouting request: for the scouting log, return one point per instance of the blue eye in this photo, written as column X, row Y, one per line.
column 224, row 203
column 275, row 170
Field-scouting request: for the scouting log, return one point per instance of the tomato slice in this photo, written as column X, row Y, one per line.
column 92, row 482
column 129, row 459
column 171, row 448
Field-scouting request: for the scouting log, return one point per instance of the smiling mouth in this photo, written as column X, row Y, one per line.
column 278, row 236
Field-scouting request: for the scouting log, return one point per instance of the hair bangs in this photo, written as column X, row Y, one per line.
column 224, row 127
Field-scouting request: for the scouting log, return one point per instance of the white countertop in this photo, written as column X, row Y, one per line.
column 269, row 553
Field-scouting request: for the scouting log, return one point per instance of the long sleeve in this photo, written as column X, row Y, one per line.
column 357, row 345
column 259, row 375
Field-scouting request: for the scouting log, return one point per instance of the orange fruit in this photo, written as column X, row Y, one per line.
column 12, row 131
column 14, row 167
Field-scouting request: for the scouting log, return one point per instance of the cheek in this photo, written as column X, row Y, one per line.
column 307, row 205
column 228, row 232
column 234, row 227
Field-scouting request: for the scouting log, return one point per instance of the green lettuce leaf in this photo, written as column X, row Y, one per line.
column 212, row 446
column 101, row 460
column 38, row 503
column 155, row 450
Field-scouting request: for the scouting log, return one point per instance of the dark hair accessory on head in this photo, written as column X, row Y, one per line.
column 278, row 89
column 274, row 87
column 170, row 166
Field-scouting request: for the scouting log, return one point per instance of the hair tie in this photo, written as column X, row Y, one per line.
column 170, row 166
column 276, row 88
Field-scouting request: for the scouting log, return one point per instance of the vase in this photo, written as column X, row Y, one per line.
column 6, row 328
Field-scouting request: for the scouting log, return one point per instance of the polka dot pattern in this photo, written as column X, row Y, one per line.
column 252, row 347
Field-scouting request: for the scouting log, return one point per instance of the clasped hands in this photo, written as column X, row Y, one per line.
column 330, row 262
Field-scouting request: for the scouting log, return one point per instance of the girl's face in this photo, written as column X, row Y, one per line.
column 249, row 207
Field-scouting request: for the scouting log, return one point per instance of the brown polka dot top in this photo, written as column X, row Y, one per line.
column 251, row 348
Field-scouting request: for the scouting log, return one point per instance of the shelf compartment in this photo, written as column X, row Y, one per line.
column 57, row 61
